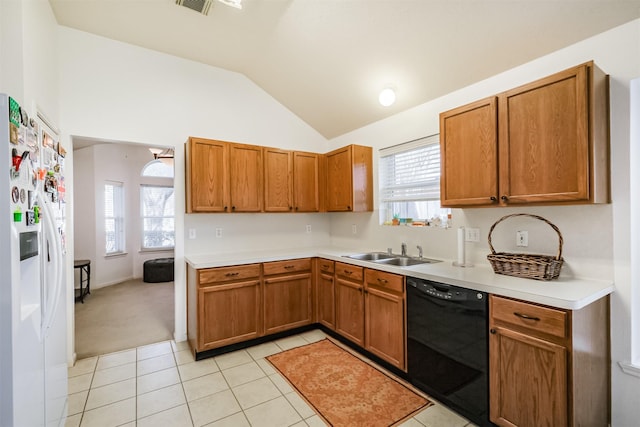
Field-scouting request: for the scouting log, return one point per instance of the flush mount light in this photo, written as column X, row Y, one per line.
column 387, row 97
column 233, row 3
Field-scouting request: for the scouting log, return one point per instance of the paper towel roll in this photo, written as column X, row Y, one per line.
column 461, row 254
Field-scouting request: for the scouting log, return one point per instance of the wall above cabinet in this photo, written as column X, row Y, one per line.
column 546, row 142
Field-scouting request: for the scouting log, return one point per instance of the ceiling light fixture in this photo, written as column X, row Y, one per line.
column 233, row 3
column 387, row 97
column 159, row 153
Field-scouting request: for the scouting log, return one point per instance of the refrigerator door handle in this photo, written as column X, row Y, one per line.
column 54, row 244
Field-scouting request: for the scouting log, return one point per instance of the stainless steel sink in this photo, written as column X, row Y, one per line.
column 385, row 258
column 371, row 256
column 407, row 261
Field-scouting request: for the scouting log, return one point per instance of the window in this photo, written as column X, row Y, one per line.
column 114, row 217
column 158, row 168
column 410, row 183
column 158, row 225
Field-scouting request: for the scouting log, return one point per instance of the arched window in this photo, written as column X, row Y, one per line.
column 158, row 168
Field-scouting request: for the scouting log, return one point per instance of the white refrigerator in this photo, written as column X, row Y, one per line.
column 33, row 333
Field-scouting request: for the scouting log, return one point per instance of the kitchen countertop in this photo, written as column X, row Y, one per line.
column 564, row 292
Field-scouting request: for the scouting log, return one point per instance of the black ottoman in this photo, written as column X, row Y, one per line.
column 158, row 270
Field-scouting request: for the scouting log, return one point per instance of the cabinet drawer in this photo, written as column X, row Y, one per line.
column 225, row 274
column 381, row 279
column 326, row 266
column 289, row 266
column 349, row 271
column 534, row 318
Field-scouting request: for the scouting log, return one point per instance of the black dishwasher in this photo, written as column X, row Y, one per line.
column 447, row 346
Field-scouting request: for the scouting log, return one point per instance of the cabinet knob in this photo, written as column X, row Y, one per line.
column 493, row 331
column 296, row 208
column 504, row 198
column 348, row 207
column 233, row 208
column 290, row 207
column 493, row 199
column 225, row 208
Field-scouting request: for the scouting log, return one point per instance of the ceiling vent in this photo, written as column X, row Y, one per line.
column 200, row 6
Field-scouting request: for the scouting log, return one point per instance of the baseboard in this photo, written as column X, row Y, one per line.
column 113, row 282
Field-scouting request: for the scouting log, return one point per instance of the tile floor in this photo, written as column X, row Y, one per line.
column 162, row 385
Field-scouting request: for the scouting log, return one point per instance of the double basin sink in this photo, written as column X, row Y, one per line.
column 391, row 259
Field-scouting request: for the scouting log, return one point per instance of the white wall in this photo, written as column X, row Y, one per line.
column 597, row 238
column 113, row 91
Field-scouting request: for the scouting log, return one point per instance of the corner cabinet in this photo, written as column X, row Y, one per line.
column 542, row 143
column 349, row 179
column 548, row 366
column 349, row 287
column 223, row 176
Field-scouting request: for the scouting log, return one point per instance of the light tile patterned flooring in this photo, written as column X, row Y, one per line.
column 162, row 385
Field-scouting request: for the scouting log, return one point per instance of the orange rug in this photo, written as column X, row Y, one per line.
column 343, row 389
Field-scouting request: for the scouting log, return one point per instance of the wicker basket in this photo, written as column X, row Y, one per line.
column 539, row 267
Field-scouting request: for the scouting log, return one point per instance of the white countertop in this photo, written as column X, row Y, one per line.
column 567, row 293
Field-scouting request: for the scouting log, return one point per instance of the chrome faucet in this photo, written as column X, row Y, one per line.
column 404, row 249
column 419, row 251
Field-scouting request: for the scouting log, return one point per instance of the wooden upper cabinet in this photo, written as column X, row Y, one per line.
column 552, row 144
column 245, row 178
column 223, row 176
column 469, row 154
column 349, row 179
column 207, row 182
column 278, row 180
column 306, row 182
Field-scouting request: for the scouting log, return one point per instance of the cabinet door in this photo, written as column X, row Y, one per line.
column 326, row 300
column 306, row 182
column 287, row 302
column 228, row 314
column 469, row 154
column 277, row 180
column 528, row 380
column 350, row 310
column 384, row 326
column 207, row 176
column 544, row 140
column 245, row 178
column 339, row 180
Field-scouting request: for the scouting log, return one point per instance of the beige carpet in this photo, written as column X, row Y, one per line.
column 123, row 316
column 344, row 390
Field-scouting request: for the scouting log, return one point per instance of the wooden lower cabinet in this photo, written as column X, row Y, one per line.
column 385, row 313
column 325, row 294
column 228, row 304
column 287, row 295
column 349, row 285
column 548, row 366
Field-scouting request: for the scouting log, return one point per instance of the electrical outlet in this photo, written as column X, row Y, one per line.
column 308, row 228
column 522, row 238
column 192, row 233
column 472, row 234
column 218, row 233
column 354, row 229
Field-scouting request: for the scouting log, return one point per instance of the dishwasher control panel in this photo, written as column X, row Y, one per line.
column 444, row 291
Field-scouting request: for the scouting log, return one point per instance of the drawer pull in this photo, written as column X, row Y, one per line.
column 231, row 274
column 289, row 267
column 348, row 272
column 325, row 266
column 526, row 316
column 383, row 280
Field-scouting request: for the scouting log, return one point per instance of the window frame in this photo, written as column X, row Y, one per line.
column 118, row 218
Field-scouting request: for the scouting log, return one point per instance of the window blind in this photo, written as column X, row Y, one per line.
column 411, row 171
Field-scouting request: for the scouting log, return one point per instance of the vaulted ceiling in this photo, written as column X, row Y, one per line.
column 327, row 60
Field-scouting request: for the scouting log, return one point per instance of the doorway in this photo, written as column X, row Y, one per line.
column 117, row 229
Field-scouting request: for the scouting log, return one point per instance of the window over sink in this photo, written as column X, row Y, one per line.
column 409, row 177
